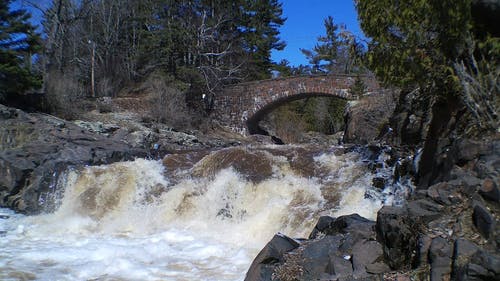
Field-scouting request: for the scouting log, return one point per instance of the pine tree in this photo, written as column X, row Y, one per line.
column 18, row 43
column 332, row 52
column 260, row 29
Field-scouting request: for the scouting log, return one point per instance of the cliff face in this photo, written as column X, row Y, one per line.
column 458, row 171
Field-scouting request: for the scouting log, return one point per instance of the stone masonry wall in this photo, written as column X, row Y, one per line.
column 240, row 102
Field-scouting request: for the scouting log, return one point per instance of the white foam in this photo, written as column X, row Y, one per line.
column 125, row 221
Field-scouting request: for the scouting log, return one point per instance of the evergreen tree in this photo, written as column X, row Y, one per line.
column 415, row 42
column 323, row 57
column 18, row 43
column 358, row 88
column 332, row 53
column 260, row 29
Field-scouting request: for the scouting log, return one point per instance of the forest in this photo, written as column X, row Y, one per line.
column 100, row 48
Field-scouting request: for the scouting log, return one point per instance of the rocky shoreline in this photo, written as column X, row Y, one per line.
column 35, row 148
column 448, row 229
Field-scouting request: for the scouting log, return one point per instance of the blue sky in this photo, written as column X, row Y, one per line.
column 303, row 25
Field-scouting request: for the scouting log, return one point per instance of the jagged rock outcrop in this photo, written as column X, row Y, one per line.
column 35, row 148
column 367, row 119
column 343, row 248
column 447, row 231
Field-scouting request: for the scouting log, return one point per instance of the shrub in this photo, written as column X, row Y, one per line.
column 480, row 92
column 64, row 95
column 168, row 103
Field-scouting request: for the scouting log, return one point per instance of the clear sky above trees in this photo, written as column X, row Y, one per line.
column 304, row 23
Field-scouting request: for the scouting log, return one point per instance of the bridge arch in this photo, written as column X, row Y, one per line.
column 252, row 122
column 240, row 106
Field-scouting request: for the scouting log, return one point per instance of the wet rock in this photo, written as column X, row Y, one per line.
column 339, row 266
column 440, row 254
column 424, row 244
column 490, row 190
column 470, row 183
column 463, row 251
column 396, row 233
column 264, row 264
column 324, row 256
column 365, row 253
column 484, row 266
column 483, row 220
column 256, row 166
column 339, row 249
column 424, row 210
column 322, row 226
column 485, row 170
column 466, row 150
column 377, row 268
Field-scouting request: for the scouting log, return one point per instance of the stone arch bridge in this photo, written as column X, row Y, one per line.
column 241, row 106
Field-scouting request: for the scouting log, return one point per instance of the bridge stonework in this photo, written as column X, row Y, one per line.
column 241, row 106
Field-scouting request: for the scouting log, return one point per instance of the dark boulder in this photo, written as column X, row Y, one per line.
column 396, row 233
column 440, row 254
column 424, row 210
column 354, row 224
column 483, row 220
column 471, row 263
column 341, row 248
column 490, row 190
column 442, row 193
column 272, row 254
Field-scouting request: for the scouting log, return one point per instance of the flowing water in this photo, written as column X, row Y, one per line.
column 193, row 216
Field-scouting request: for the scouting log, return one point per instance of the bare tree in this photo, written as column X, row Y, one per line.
column 481, row 91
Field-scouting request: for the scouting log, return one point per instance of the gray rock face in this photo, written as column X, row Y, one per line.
column 440, row 254
column 36, row 148
column 367, row 120
column 395, row 232
column 472, row 263
column 338, row 249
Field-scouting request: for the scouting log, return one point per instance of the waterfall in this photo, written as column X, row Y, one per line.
column 183, row 218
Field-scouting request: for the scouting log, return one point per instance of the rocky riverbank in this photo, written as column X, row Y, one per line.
column 448, row 228
column 448, row 231
column 36, row 148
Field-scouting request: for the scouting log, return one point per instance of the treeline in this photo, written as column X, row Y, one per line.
column 337, row 51
column 97, row 47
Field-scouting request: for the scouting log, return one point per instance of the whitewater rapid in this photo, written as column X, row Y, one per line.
column 204, row 220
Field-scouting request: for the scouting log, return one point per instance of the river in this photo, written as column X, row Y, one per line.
column 193, row 216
